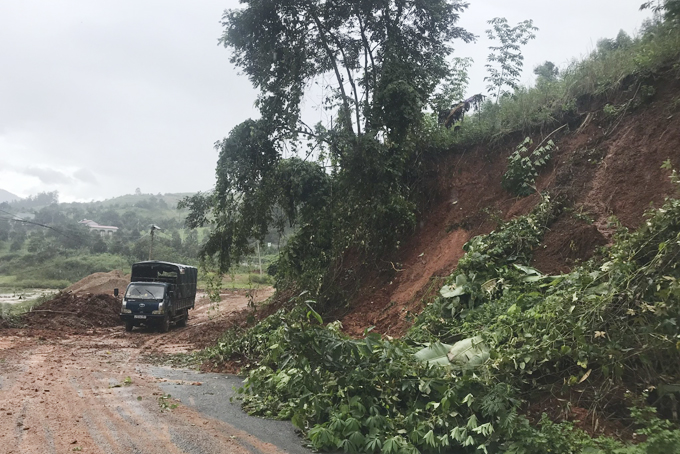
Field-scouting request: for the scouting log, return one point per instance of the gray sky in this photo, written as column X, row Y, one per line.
column 99, row 98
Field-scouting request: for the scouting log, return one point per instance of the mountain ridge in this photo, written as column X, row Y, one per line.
column 6, row 196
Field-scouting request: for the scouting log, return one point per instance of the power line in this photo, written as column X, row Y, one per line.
column 25, row 221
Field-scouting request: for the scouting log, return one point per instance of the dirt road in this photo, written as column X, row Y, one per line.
column 94, row 392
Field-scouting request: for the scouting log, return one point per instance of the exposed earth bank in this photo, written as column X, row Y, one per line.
column 605, row 168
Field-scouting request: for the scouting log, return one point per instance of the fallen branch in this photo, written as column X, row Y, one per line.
column 550, row 135
column 56, row 312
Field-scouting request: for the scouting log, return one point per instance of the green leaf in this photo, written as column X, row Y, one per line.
column 436, row 353
column 314, row 313
column 526, row 269
column 451, row 291
column 391, row 446
column 469, row 353
column 430, row 439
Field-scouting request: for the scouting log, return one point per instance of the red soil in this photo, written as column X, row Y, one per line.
column 605, row 167
column 69, row 311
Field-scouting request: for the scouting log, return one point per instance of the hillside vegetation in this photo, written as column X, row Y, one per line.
column 502, row 287
column 43, row 246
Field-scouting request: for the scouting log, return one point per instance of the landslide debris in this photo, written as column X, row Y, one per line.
column 76, row 311
column 101, row 283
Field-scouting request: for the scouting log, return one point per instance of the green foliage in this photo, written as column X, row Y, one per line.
column 547, row 73
column 50, row 249
column 608, row 325
column 523, row 167
column 452, row 89
column 609, row 321
column 250, row 176
column 370, row 51
column 669, row 8
column 379, row 65
column 360, row 395
column 506, row 59
column 617, row 66
column 261, row 279
column 491, row 262
column 611, row 111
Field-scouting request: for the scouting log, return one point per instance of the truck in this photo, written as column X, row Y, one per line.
column 159, row 293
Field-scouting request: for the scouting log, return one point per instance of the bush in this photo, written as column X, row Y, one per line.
column 523, row 167
column 261, row 279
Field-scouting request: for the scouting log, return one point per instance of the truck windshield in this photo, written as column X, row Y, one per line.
column 145, row 292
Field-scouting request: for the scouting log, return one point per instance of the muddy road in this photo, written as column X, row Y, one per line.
column 95, row 391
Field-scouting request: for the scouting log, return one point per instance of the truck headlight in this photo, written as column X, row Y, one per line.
column 126, row 311
column 159, row 311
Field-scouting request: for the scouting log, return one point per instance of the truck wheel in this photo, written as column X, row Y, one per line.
column 183, row 321
column 164, row 327
column 128, row 326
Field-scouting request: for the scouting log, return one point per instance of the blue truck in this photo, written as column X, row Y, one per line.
column 159, row 294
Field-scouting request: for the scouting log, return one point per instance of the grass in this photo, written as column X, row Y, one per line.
column 240, row 281
column 26, row 270
column 603, row 75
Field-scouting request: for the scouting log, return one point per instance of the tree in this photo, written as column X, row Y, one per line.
column 97, row 244
column 607, row 45
column 40, row 199
column 373, row 52
column 452, row 89
column 378, row 64
column 669, row 8
column 546, row 73
column 505, row 62
column 190, row 246
column 252, row 181
column 176, row 242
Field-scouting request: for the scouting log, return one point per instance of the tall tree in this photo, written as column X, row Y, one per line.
column 452, row 89
column 373, row 52
column 379, row 63
column 505, row 62
column 669, row 8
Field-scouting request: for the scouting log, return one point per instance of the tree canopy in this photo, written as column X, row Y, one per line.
column 506, row 59
column 373, row 52
column 378, row 65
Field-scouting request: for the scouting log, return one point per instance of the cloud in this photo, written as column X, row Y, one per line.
column 48, row 176
column 85, row 175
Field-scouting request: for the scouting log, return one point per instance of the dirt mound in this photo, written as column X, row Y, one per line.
column 568, row 241
column 76, row 311
column 101, row 283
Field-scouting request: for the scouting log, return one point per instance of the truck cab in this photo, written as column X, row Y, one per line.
column 160, row 293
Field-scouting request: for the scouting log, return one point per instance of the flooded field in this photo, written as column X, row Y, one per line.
column 8, row 296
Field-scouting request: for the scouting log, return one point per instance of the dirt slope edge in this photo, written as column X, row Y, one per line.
column 602, row 169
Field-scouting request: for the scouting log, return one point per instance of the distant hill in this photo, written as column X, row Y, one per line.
column 6, row 196
column 131, row 199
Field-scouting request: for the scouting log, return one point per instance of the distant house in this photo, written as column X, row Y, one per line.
column 104, row 230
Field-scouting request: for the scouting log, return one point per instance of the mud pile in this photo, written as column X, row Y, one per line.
column 101, row 283
column 75, row 311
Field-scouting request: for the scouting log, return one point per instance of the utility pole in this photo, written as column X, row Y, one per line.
column 154, row 227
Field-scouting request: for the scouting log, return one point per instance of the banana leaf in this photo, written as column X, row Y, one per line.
column 464, row 354
column 436, row 353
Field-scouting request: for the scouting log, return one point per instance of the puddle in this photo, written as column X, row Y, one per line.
column 21, row 296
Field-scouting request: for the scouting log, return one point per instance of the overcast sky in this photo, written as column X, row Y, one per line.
column 98, row 98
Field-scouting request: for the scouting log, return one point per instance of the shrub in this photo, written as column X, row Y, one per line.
column 523, row 167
